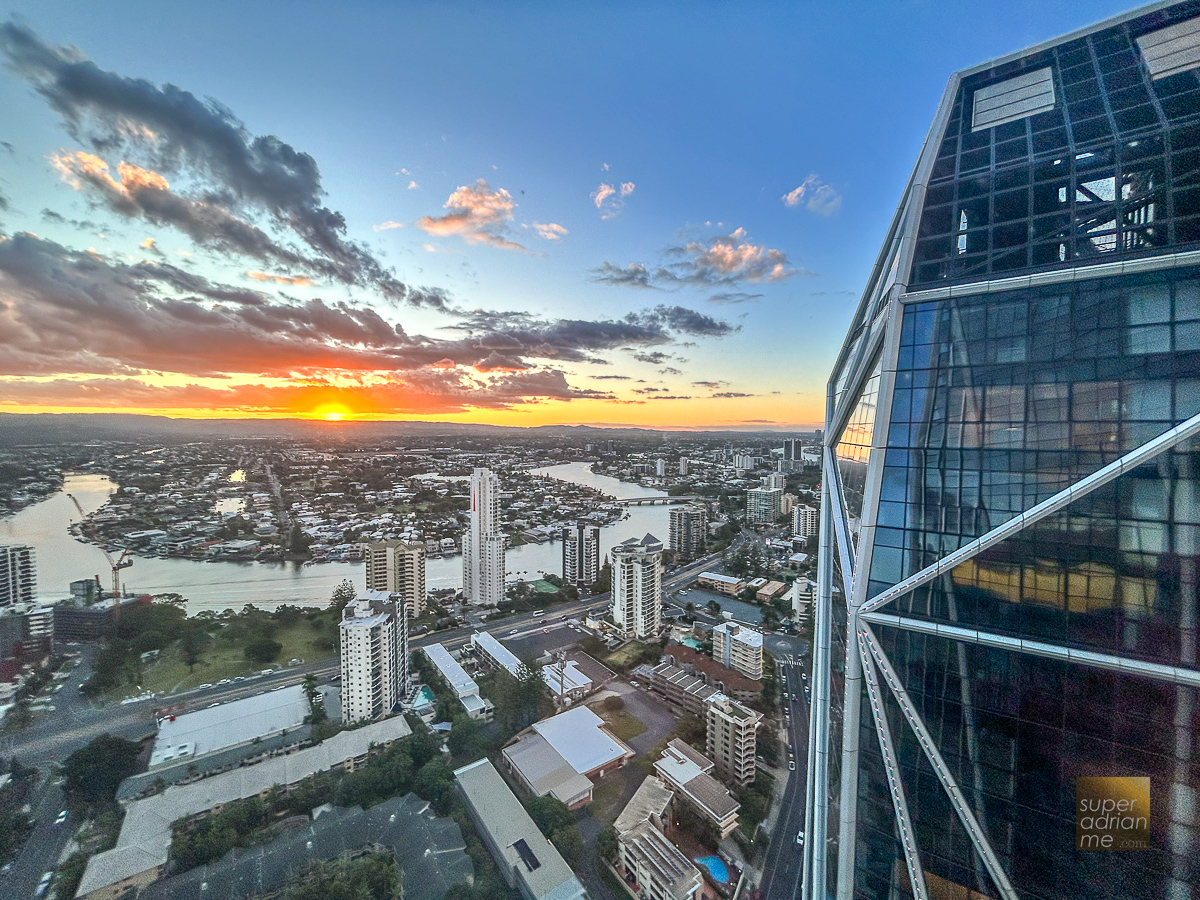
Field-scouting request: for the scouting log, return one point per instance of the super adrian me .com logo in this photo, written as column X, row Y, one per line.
column 1112, row 813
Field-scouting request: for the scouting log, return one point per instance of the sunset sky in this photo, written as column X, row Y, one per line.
column 655, row 214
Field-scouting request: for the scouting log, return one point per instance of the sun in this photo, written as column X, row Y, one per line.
column 334, row 416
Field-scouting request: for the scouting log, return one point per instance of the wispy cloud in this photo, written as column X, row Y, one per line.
column 610, row 199
column 387, row 226
column 732, row 297
column 412, row 185
column 478, row 214
column 549, row 231
column 817, row 195
column 726, row 259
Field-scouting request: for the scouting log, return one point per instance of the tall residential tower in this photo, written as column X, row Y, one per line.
column 483, row 542
column 398, row 567
column 1008, row 604
column 581, row 554
column 688, row 531
column 374, row 648
column 637, row 587
column 18, row 578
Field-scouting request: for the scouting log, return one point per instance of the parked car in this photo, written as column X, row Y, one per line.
column 800, row 837
column 43, row 884
column 62, row 817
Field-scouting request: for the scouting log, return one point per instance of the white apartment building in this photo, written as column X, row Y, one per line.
column 581, row 554
column 483, row 542
column 762, row 505
column 775, row 480
column 18, row 578
column 683, row 465
column 689, row 529
column 732, row 740
column 398, row 567
column 660, row 467
column 804, row 521
column 744, row 461
column 637, row 587
column 739, row 648
column 374, row 640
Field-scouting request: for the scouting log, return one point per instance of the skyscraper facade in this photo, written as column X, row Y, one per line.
column 398, row 567
column 637, row 587
column 483, row 542
column 688, row 531
column 581, row 554
column 18, row 578
column 1007, row 599
column 374, row 651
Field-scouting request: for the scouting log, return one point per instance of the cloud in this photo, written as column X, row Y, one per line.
column 159, row 131
column 611, row 378
column 670, row 370
column 610, row 199
column 69, row 312
column 711, row 385
column 670, row 397
column 296, row 280
column 604, row 167
column 731, row 394
column 151, row 246
column 3, row 201
column 387, row 226
column 655, row 359
column 58, row 219
column 412, row 185
column 726, row 259
column 478, row 215
column 815, row 194
column 732, row 297
column 549, row 231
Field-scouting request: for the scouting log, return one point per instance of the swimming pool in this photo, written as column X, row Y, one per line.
column 716, row 868
column 425, row 697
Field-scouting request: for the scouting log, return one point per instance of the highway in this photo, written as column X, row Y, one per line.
column 781, row 878
column 76, row 720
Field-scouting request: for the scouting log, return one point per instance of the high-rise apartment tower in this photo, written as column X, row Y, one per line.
column 398, row 567
column 637, row 587
column 18, row 578
column 1009, row 567
column 483, row 542
column 581, row 554
column 688, row 531
column 374, row 665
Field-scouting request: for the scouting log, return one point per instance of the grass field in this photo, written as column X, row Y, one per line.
column 223, row 659
column 622, row 723
column 606, row 798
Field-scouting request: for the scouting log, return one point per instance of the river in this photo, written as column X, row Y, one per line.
column 231, row 585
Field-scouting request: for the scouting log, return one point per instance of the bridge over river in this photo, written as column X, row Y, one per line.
column 658, row 500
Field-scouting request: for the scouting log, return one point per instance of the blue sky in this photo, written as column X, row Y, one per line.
column 710, row 114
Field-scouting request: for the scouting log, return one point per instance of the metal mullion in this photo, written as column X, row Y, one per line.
column 887, row 748
column 1044, row 649
column 974, row 831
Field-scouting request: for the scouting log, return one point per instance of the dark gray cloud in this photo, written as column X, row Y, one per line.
column 655, row 358
column 731, row 297
column 711, row 385
column 732, row 394
column 173, row 132
column 685, row 321
column 670, row 370
column 669, row 397
column 612, row 378
column 9, row 147
column 59, row 219
column 3, row 201
column 633, row 275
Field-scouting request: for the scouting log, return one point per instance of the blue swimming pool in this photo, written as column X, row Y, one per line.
column 425, row 697
column 716, row 868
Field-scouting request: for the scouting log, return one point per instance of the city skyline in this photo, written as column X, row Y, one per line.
column 556, row 228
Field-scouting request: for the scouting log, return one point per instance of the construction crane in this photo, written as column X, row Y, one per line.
column 123, row 562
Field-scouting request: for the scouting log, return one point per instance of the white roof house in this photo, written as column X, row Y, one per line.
column 579, row 737
column 456, row 676
column 498, row 653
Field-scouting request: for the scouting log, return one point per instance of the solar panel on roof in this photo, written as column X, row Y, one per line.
column 527, row 855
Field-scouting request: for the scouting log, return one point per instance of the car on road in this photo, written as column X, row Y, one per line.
column 239, row 678
column 203, row 686
column 6, row 868
column 634, row 683
column 43, row 884
column 223, row 681
column 800, row 837
column 545, row 631
column 791, row 765
column 511, row 633
column 62, row 817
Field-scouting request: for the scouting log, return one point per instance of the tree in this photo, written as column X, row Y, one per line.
column 614, row 703
column 549, row 814
column 93, row 773
column 606, row 842
column 191, row 645
column 604, row 582
column 262, row 650
column 310, row 688
column 569, row 842
column 342, row 595
column 465, row 738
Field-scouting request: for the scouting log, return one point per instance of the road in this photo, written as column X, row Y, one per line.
column 76, row 720
column 782, row 871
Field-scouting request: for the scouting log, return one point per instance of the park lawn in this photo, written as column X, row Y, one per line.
column 606, row 798
column 169, row 673
column 622, row 723
column 625, row 656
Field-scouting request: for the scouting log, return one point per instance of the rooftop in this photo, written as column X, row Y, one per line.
column 719, row 578
column 146, row 832
column 715, row 672
column 563, row 679
column 681, row 770
column 498, row 652
column 580, row 737
column 455, row 674
column 545, row 769
column 229, row 724
column 652, row 849
column 648, row 544
column 650, row 799
column 523, row 847
column 741, row 633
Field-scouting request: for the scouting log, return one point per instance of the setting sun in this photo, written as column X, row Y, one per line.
column 334, row 416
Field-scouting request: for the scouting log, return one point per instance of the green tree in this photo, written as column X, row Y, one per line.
column 606, row 842
column 262, row 650
column 604, row 582
column 92, row 774
column 342, row 595
column 191, row 646
column 549, row 814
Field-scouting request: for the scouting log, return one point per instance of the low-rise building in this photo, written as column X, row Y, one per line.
column 650, row 864
column 728, row 585
column 680, row 689
column 770, row 591
column 194, row 735
column 726, row 680
column 495, row 655
column 527, row 861
column 739, row 648
column 685, row 771
column 463, row 685
column 567, row 682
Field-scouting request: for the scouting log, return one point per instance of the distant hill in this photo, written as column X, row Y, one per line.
column 18, row 429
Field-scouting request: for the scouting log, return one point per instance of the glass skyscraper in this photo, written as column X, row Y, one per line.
column 1010, row 518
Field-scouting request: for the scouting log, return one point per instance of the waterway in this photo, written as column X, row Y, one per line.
column 62, row 559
